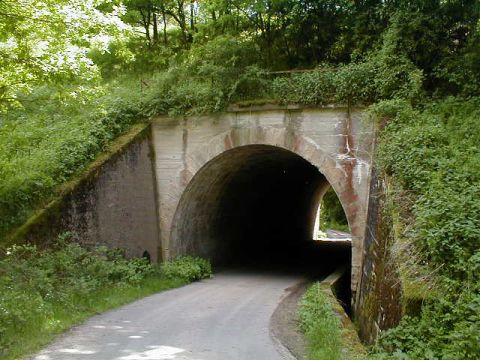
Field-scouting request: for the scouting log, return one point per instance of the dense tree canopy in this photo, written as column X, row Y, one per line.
column 48, row 41
column 60, row 40
column 74, row 74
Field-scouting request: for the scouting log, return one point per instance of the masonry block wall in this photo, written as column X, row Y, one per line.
column 379, row 301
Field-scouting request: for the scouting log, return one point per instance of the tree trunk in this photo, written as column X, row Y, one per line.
column 164, row 17
column 146, row 25
column 155, row 28
column 192, row 15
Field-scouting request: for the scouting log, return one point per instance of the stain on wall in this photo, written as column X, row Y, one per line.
column 379, row 302
column 335, row 140
column 113, row 203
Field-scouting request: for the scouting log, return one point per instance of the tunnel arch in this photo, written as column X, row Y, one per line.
column 255, row 194
column 333, row 168
column 203, row 158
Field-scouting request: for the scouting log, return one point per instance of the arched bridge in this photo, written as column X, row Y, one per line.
column 250, row 180
column 243, row 185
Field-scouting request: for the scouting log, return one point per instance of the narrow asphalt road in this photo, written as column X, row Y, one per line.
column 226, row 318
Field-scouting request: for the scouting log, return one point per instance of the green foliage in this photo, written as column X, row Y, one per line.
column 446, row 329
column 209, row 78
column 332, row 215
column 44, row 291
column 433, row 155
column 33, row 282
column 198, row 57
column 382, row 75
column 188, row 268
column 315, row 88
column 461, row 73
column 48, row 40
column 320, row 325
column 52, row 137
column 43, row 146
column 440, row 38
column 67, row 116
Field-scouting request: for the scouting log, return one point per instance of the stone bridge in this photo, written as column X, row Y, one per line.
column 267, row 169
column 247, row 181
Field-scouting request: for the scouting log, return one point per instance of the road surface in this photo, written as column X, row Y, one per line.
column 226, row 318
column 334, row 235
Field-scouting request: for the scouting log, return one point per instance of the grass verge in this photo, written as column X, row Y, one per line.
column 45, row 292
column 326, row 335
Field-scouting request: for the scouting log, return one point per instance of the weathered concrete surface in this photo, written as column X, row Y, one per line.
column 112, row 203
column 200, row 185
column 226, row 317
column 379, row 305
column 333, row 140
column 118, row 208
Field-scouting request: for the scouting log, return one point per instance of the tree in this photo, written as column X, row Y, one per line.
column 45, row 41
column 150, row 13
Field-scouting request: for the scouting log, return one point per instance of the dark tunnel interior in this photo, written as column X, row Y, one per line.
column 255, row 206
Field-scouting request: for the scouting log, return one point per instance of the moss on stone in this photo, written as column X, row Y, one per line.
column 45, row 221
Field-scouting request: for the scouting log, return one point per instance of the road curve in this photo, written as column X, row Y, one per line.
column 226, row 318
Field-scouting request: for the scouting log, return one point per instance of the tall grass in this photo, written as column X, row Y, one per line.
column 320, row 325
column 328, row 336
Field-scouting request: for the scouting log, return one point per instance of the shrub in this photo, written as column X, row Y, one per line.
column 314, row 88
column 209, row 78
column 377, row 77
column 188, row 268
column 432, row 155
column 34, row 283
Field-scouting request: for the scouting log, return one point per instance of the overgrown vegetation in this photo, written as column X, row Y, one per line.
column 188, row 268
column 332, row 215
column 432, row 155
column 76, row 74
column 43, row 146
column 72, row 91
column 380, row 76
column 51, row 138
column 45, row 291
column 322, row 326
